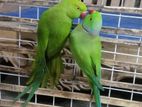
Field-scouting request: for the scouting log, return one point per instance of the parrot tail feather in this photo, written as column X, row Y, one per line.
column 35, row 87
column 31, row 78
column 22, row 94
column 97, row 83
column 55, row 67
column 35, row 82
column 96, row 93
column 95, row 80
column 31, row 89
column 57, row 70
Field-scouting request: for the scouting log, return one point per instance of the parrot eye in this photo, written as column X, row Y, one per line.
column 78, row 8
column 90, row 18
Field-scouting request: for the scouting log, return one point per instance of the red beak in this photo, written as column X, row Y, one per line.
column 82, row 16
column 91, row 11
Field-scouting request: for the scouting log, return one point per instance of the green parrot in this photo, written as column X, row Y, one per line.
column 85, row 45
column 54, row 27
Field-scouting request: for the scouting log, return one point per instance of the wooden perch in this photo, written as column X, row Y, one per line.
column 23, row 1
column 121, row 41
column 17, row 19
column 73, row 95
column 9, row 103
column 26, row 26
column 15, row 49
column 18, row 26
column 116, row 84
column 117, row 9
column 126, row 31
column 12, row 69
column 31, row 28
column 97, row 7
column 120, row 63
column 22, row 50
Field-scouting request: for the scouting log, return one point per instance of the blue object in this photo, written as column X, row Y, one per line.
column 108, row 20
column 111, row 21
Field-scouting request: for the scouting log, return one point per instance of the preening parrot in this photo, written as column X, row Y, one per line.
column 54, row 27
column 86, row 47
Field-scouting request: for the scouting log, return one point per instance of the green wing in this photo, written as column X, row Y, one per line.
column 83, row 54
column 53, row 29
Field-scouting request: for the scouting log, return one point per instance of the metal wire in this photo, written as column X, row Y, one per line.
column 135, row 71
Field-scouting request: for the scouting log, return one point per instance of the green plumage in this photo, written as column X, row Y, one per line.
column 53, row 29
column 86, row 47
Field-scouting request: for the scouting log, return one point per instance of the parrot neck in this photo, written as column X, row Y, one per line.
column 94, row 33
column 85, row 29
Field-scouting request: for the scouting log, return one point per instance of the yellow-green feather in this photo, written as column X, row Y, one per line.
column 53, row 29
column 86, row 47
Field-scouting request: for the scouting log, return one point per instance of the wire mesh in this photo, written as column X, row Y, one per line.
column 121, row 62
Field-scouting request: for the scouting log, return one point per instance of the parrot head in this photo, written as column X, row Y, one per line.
column 74, row 8
column 92, row 22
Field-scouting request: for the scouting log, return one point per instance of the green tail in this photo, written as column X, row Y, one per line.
column 35, row 81
column 44, row 72
column 55, row 67
column 96, row 93
column 94, row 80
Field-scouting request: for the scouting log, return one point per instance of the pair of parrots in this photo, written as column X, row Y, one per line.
column 53, row 30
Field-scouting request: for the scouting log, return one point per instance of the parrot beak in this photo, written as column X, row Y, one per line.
column 91, row 11
column 82, row 16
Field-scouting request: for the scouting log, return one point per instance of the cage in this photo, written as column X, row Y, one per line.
column 121, row 37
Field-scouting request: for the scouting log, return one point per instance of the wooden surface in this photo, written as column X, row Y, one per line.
column 73, row 95
column 7, row 48
column 31, row 27
column 116, row 84
column 9, row 103
column 125, row 47
column 141, row 4
column 119, row 9
column 129, row 4
column 127, row 8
